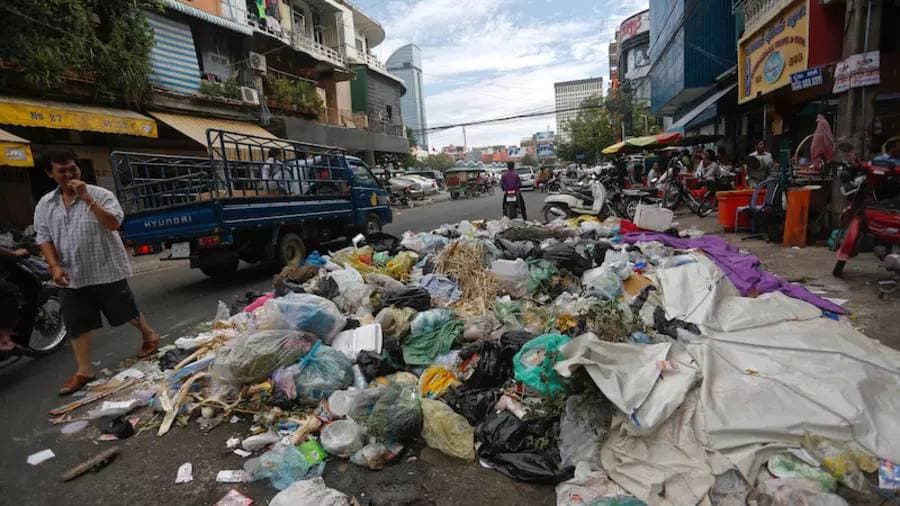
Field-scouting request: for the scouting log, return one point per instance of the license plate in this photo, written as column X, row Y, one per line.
column 511, row 198
column 181, row 250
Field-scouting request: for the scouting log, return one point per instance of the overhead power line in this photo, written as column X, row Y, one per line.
column 508, row 118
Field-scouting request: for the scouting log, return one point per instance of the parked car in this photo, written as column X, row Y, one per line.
column 405, row 185
column 429, row 186
column 435, row 175
column 527, row 176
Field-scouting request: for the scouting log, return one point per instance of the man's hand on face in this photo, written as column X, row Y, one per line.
column 80, row 188
column 60, row 276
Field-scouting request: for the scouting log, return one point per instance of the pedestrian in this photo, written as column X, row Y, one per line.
column 766, row 162
column 710, row 171
column 510, row 181
column 76, row 227
column 890, row 151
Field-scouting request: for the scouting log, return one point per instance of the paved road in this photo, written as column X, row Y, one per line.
column 174, row 299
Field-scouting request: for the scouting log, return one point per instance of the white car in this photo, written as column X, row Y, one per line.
column 429, row 186
column 527, row 177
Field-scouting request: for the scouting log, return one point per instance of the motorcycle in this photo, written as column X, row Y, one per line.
column 41, row 329
column 577, row 200
column 511, row 204
column 676, row 194
column 623, row 202
column 865, row 214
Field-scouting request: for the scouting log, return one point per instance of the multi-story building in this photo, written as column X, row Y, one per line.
column 455, row 152
column 633, row 43
column 569, row 97
column 283, row 69
column 406, row 63
column 613, row 63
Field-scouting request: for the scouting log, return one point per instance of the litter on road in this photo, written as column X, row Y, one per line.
column 649, row 367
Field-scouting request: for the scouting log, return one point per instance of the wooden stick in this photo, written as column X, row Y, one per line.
column 179, row 398
column 309, row 425
column 190, row 358
column 72, row 406
column 97, row 461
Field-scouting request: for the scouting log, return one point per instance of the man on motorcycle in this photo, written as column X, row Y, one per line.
column 510, row 181
column 76, row 227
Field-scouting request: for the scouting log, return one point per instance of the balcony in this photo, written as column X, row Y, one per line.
column 374, row 62
column 318, row 50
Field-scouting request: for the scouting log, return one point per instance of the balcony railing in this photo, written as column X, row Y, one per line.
column 373, row 61
column 370, row 122
column 303, row 43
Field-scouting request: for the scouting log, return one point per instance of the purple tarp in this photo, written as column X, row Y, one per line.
column 742, row 269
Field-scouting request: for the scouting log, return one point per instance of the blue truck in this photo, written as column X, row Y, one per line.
column 253, row 198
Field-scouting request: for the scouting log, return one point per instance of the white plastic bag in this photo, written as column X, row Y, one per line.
column 582, row 430
column 342, row 438
column 603, row 281
column 354, row 293
column 513, row 274
column 311, row 313
column 312, row 491
column 269, row 317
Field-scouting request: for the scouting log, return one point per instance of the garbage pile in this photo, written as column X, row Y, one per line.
column 623, row 366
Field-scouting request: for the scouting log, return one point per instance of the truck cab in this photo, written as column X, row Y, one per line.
column 255, row 199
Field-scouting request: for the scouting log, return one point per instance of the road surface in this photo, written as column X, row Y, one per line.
column 175, row 299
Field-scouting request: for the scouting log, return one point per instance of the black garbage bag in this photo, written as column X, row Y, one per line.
column 494, row 364
column 516, row 338
column 172, row 358
column 383, row 242
column 374, row 365
column 239, row 304
column 279, row 399
column 522, row 450
column 416, row 297
column 118, row 426
column 286, row 286
column 599, row 250
column 565, row 256
column 512, row 250
column 474, row 404
column 670, row 327
column 326, row 288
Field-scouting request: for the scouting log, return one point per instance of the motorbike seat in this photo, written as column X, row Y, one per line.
column 636, row 192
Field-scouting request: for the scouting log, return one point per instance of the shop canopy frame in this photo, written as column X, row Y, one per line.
column 643, row 143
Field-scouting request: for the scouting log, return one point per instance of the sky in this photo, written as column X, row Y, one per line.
column 485, row 59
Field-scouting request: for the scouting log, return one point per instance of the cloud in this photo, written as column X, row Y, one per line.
column 491, row 58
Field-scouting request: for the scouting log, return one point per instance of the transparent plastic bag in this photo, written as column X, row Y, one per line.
column 342, row 438
column 312, row 491
column 384, row 285
column 253, row 357
column 480, row 327
column 582, row 429
column 269, row 317
column 435, row 382
column 446, row 431
column 603, row 282
column 513, row 274
column 354, row 293
column 321, row 372
column 396, row 415
column 843, row 462
column 313, row 314
column 282, row 465
column 427, row 321
column 376, row 455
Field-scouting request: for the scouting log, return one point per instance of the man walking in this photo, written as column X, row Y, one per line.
column 510, row 181
column 76, row 227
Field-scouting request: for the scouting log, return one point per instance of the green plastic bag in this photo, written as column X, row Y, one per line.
column 447, row 431
column 508, row 313
column 533, row 364
column 539, row 274
column 421, row 349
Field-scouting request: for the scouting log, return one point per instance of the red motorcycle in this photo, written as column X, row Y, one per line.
column 870, row 210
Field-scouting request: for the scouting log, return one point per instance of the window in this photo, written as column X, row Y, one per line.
column 389, row 112
column 361, row 174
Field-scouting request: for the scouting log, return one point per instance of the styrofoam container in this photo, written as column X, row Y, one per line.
column 365, row 338
column 654, row 218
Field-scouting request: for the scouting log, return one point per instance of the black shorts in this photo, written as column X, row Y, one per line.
column 81, row 307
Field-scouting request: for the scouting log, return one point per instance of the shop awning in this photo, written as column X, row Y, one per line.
column 196, row 127
column 175, row 5
column 685, row 121
column 86, row 118
column 14, row 150
column 643, row 142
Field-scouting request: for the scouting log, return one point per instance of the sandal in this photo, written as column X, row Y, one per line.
column 148, row 348
column 75, row 383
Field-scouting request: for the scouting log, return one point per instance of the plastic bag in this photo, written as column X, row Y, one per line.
column 395, row 322
column 447, row 431
column 415, row 297
column 491, row 364
column 423, row 242
column 798, row 492
column 511, row 250
column 253, row 357
column 841, row 461
column 513, row 274
column 588, row 487
column 533, row 364
column 400, row 266
column 479, row 327
column 524, row 451
column 342, row 438
column 376, row 455
column 516, row 338
column 397, row 415
column 427, row 321
column 354, row 291
column 603, row 282
column 565, row 256
column 508, row 313
column 380, row 242
column 269, row 317
column 443, row 290
column 539, row 274
column 312, row 491
column 322, row 371
column 474, row 405
column 384, row 285
column 435, row 381
column 314, row 259
column 785, row 466
column 421, row 349
column 374, row 364
column 582, row 429
column 312, row 314
column 282, row 465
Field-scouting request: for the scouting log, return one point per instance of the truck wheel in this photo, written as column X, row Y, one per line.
column 221, row 270
column 290, row 249
column 373, row 225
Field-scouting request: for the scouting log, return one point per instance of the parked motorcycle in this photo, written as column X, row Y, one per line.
column 676, row 194
column 511, row 204
column 623, row 202
column 589, row 199
column 866, row 214
column 40, row 330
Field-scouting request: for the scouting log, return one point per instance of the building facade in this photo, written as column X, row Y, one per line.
column 406, row 63
column 633, row 43
column 613, row 51
column 569, row 97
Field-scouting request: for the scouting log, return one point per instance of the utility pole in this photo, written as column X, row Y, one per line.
column 465, row 140
column 856, row 109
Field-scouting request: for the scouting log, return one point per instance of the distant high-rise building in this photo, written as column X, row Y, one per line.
column 569, row 97
column 406, row 63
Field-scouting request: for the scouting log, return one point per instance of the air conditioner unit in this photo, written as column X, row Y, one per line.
column 258, row 62
column 249, row 95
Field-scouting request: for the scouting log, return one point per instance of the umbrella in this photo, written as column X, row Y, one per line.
column 613, row 149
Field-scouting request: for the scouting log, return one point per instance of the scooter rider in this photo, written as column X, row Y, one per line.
column 510, row 181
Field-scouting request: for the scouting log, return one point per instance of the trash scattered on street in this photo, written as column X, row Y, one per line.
column 94, row 463
column 624, row 368
column 234, row 498
column 185, row 473
column 74, row 427
column 41, row 456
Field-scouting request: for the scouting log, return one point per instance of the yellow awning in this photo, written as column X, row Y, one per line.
column 87, row 118
column 196, row 127
column 14, row 150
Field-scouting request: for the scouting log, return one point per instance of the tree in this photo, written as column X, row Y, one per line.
column 528, row 161
column 440, row 161
column 588, row 133
column 411, row 137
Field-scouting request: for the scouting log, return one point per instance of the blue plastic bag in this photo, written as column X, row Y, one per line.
column 314, row 314
column 315, row 259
